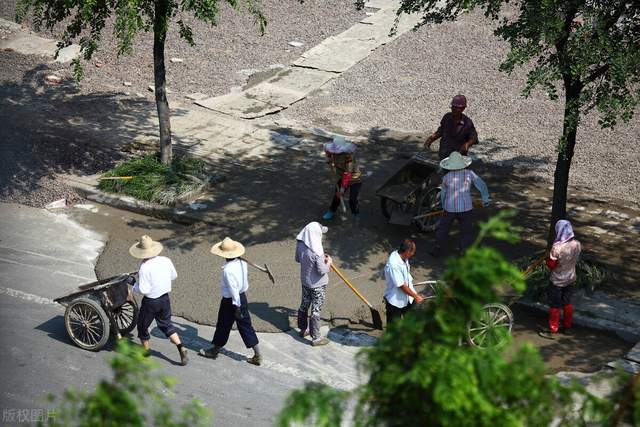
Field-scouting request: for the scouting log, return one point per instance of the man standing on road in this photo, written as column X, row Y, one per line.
column 400, row 293
column 456, row 130
column 154, row 282
column 234, row 306
column 314, row 277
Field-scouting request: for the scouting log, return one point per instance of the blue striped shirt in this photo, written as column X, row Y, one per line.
column 456, row 190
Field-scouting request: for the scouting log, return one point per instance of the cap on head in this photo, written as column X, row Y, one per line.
column 459, row 101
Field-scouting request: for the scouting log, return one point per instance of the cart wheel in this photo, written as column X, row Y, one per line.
column 491, row 329
column 388, row 206
column 429, row 202
column 87, row 324
column 126, row 317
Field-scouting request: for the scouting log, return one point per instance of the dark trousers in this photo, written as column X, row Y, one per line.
column 226, row 317
column 394, row 312
column 559, row 296
column 354, row 191
column 158, row 309
column 465, row 219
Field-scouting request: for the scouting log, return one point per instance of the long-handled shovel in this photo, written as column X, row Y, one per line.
column 375, row 315
column 264, row 269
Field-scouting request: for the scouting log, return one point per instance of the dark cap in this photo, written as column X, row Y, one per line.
column 459, row 101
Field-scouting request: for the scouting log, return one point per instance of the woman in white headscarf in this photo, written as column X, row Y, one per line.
column 314, row 277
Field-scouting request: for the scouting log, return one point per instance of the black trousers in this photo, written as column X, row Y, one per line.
column 465, row 219
column 226, row 317
column 394, row 312
column 558, row 296
column 158, row 309
column 354, row 191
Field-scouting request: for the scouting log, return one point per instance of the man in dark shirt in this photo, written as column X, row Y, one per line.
column 456, row 130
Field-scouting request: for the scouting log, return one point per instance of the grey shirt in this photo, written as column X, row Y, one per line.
column 313, row 270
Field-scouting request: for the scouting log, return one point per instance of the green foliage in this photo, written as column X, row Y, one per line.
column 421, row 375
column 135, row 396
column 87, row 18
column 155, row 181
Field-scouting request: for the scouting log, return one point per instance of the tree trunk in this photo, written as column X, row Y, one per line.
column 565, row 154
column 164, row 119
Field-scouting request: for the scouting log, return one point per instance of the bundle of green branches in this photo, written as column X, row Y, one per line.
column 589, row 275
column 154, row 181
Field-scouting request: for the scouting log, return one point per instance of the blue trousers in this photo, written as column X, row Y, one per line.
column 158, row 309
column 226, row 317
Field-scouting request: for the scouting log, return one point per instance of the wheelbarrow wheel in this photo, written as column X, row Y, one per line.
column 492, row 328
column 87, row 324
column 388, row 206
column 126, row 316
column 429, row 202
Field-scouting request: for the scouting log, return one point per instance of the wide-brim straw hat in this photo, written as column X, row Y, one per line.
column 146, row 247
column 228, row 249
column 455, row 161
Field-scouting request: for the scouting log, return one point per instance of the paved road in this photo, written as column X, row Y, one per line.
column 39, row 261
column 45, row 255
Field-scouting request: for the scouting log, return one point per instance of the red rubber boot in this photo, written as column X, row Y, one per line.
column 568, row 318
column 554, row 321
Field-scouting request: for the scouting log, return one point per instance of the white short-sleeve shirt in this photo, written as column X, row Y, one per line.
column 397, row 272
column 234, row 280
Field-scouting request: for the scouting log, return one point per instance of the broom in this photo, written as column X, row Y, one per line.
column 375, row 315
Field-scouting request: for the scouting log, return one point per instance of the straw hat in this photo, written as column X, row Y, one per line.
column 228, row 249
column 146, row 247
column 340, row 145
column 455, row 161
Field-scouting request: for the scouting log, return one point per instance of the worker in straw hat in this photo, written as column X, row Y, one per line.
column 154, row 282
column 456, row 200
column 233, row 306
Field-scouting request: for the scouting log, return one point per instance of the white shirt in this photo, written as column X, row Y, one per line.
column 234, row 280
column 155, row 276
column 397, row 273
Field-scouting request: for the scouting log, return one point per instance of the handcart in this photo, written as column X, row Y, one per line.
column 412, row 193
column 98, row 310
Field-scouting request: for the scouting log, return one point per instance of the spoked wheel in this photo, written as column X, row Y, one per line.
column 87, row 324
column 493, row 327
column 126, row 317
column 429, row 202
column 388, row 206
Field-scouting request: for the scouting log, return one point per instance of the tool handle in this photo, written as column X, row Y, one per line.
column 264, row 270
column 476, row 205
column 116, row 177
column 355, row 291
column 534, row 264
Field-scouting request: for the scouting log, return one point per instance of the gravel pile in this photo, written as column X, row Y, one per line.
column 224, row 55
column 408, row 85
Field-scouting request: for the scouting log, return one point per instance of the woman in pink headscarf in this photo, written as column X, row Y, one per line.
column 562, row 261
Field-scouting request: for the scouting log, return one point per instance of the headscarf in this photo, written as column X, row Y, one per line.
column 311, row 236
column 564, row 231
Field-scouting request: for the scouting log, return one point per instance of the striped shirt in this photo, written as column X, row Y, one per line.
column 456, row 190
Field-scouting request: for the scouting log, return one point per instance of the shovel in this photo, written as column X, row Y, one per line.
column 375, row 315
column 264, row 269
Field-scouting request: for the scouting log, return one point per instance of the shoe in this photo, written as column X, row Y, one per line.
column 255, row 360
column 567, row 331
column 303, row 334
column 548, row 334
column 328, row 215
column 319, row 342
column 184, row 356
column 211, row 353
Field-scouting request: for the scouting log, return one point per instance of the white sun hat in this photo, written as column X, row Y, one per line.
column 455, row 161
column 340, row 144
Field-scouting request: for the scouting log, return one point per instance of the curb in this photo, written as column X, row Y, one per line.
column 625, row 332
column 178, row 215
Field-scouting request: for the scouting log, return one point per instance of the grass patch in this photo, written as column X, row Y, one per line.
column 589, row 275
column 154, row 181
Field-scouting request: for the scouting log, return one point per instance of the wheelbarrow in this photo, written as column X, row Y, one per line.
column 98, row 310
column 412, row 193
